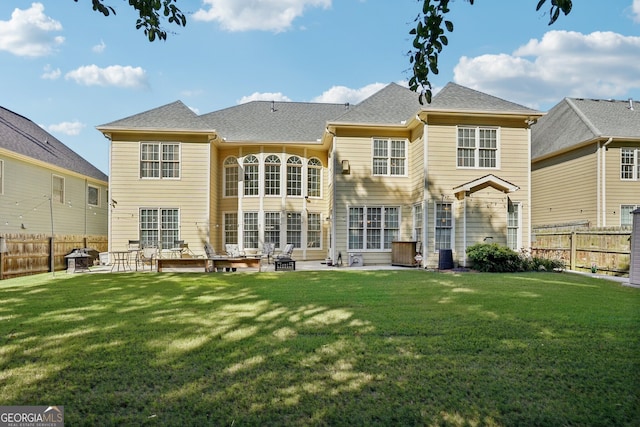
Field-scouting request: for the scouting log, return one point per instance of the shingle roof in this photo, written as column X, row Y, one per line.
column 174, row 116
column 20, row 135
column 576, row 120
column 390, row 105
column 273, row 121
column 454, row 97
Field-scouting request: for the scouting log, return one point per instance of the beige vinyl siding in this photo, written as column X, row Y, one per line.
column 25, row 201
column 618, row 192
column 189, row 193
column 565, row 188
column 486, row 211
column 361, row 188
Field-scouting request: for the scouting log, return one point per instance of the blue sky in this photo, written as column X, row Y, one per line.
column 70, row 69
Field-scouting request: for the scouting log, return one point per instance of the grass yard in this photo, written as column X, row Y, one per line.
column 332, row 348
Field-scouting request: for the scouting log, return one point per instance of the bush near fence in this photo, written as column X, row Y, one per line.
column 607, row 251
column 28, row 254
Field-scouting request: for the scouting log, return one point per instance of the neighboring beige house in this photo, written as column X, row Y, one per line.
column 333, row 179
column 42, row 182
column 586, row 164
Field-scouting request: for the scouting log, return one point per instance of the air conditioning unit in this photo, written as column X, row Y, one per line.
column 355, row 260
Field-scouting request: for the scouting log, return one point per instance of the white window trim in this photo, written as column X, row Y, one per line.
column 477, row 147
column 406, row 157
column 64, row 189
column 305, row 176
column 633, row 207
column 635, row 173
column 382, row 229
column 224, row 227
column 160, row 229
column 453, row 224
column 161, row 143
column 226, row 166
column 260, row 176
column 519, row 228
column 99, row 196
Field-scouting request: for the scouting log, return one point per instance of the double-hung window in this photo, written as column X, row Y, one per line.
column 373, row 228
column 159, row 160
column 93, row 196
column 251, row 180
column 231, row 228
column 159, row 226
column 294, row 176
column 443, row 225
column 272, row 176
column 630, row 164
column 314, row 230
column 57, row 189
column 250, row 229
column 314, row 177
column 294, row 229
column 272, row 228
column 477, row 147
column 389, row 157
column 231, row 177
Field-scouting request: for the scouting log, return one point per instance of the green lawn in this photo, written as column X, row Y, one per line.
column 333, row 347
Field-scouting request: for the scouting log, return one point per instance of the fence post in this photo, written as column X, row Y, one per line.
column 573, row 243
column 52, row 251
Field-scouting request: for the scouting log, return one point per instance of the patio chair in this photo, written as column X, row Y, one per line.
column 286, row 252
column 148, row 255
column 211, row 253
column 134, row 252
column 233, row 251
column 268, row 249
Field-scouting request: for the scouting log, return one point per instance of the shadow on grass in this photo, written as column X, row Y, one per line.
column 321, row 348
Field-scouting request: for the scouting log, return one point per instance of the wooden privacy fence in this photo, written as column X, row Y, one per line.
column 26, row 254
column 607, row 252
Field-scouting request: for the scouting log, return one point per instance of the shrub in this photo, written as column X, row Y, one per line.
column 496, row 258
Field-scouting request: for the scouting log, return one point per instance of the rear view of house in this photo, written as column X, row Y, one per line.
column 337, row 181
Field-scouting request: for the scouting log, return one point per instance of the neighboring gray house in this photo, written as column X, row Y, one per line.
column 41, row 180
column 585, row 164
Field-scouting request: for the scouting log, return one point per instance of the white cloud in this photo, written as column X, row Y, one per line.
column 343, row 94
column 99, row 48
column 50, row 74
column 598, row 65
column 265, row 15
column 29, row 32
column 264, row 96
column 114, row 75
column 635, row 10
column 67, row 128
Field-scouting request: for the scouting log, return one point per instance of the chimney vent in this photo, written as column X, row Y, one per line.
column 631, row 104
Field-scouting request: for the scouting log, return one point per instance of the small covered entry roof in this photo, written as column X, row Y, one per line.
column 484, row 182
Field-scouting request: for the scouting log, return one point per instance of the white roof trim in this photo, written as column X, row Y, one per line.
column 486, row 181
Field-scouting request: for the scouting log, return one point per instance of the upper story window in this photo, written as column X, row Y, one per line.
column 314, row 177
column 251, row 176
column 477, row 147
column 294, row 176
column 93, row 196
column 272, row 176
column 231, row 177
column 57, row 188
column 389, row 157
column 630, row 164
column 159, row 160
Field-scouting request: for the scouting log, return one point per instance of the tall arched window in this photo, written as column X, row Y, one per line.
column 231, row 177
column 272, row 176
column 294, row 176
column 251, row 176
column 314, row 177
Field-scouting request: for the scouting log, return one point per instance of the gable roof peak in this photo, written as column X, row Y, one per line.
column 461, row 98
